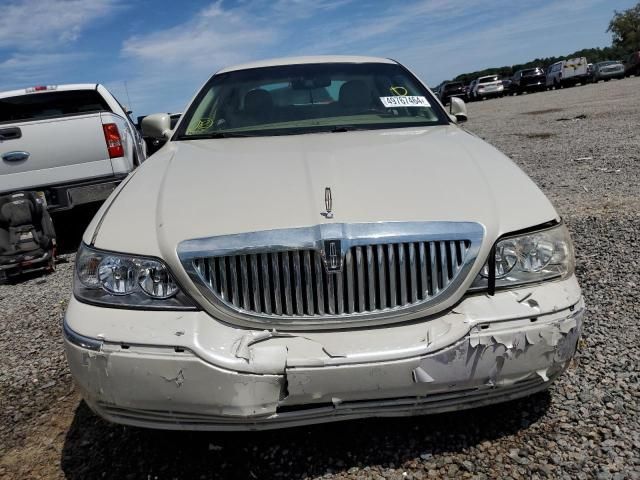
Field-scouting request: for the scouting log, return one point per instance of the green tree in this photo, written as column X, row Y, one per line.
column 625, row 28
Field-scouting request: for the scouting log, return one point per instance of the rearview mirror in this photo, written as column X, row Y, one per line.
column 157, row 125
column 458, row 109
column 311, row 83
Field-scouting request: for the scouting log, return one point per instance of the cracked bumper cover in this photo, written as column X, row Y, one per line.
column 184, row 370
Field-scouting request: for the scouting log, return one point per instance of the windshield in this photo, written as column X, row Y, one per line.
column 493, row 78
column 531, row 72
column 606, row 64
column 294, row 99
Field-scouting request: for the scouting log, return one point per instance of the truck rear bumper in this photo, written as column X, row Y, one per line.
column 66, row 196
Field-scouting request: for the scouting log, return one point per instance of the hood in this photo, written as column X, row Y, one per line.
column 202, row 188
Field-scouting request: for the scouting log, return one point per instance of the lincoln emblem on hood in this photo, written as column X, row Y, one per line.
column 328, row 203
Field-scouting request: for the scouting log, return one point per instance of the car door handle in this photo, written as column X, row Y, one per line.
column 15, row 156
column 11, row 133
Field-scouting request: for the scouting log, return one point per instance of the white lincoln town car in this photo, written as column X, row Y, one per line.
column 319, row 240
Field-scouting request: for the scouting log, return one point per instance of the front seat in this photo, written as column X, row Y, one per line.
column 354, row 96
column 258, row 106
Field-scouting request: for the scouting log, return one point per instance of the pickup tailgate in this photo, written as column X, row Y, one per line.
column 61, row 148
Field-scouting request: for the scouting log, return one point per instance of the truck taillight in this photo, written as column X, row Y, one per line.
column 114, row 142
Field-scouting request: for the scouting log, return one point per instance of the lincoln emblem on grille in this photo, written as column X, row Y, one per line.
column 328, row 203
column 332, row 256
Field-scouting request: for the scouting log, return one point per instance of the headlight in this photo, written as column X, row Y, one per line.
column 529, row 258
column 120, row 280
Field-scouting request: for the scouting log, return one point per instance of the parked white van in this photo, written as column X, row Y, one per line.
column 567, row 73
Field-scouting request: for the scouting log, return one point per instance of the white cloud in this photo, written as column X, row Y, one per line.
column 30, row 24
column 219, row 35
column 22, row 69
column 433, row 37
column 213, row 36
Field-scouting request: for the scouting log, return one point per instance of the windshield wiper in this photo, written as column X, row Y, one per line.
column 344, row 128
column 215, row 135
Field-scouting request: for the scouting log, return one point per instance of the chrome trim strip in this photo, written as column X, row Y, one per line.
column 402, row 267
column 297, row 272
column 308, row 285
column 351, row 303
column 444, row 266
column 351, row 234
column 264, row 260
column 348, row 265
column 331, row 297
column 339, row 293
column 371, row 272
column 244, row 278
column 381, row 275
column 286, row 280
column 235, row 284
column 423, row 269
column 433, row 263
column 360, row 279
column 391, row 264
column 319, row 284
column 413, row 274
column 276, row 283
column 255, row 281
column 80, row 340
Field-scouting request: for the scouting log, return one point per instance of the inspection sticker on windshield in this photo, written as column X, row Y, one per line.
column 405, row 101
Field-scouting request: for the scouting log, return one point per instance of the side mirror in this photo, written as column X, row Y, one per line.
column 457, row 108
column 157, row 125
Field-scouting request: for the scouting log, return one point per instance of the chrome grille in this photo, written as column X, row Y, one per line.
column 333, row 275
column 295, row 283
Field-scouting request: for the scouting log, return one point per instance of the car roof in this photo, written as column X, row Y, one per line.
column 306, row 60
column 57, row 88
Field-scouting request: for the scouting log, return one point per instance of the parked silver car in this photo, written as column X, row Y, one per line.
column 608, row 70
column 487, row 87
column 317, row 241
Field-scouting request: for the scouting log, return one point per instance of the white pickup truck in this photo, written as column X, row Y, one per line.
column 72, row 143
column 567, row 73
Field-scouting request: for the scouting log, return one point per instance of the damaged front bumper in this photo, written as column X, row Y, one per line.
column 184, row 370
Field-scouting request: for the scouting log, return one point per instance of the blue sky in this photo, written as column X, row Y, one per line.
column 166, row 49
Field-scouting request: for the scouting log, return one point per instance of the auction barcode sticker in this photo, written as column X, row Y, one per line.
column 407, row 101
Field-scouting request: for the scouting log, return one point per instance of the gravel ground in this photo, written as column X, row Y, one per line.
column 581, row 145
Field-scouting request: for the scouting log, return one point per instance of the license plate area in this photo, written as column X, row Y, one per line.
column 90, row 193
